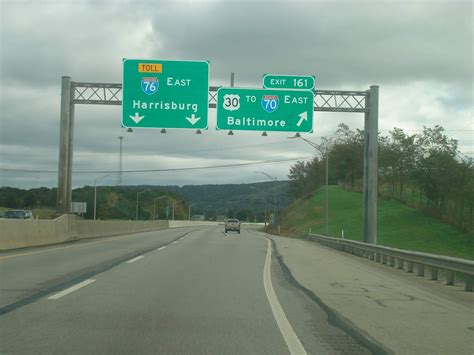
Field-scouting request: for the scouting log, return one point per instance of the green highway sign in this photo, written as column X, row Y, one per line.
column 296, row 82
column 265, row 110
column 165, row 94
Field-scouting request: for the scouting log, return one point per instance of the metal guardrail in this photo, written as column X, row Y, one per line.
column 459, row 270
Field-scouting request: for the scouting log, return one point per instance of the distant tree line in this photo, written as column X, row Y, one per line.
column 424, row 170
column 243, row 201
column 113, row 202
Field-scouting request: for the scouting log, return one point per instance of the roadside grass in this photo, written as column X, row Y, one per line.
column 399, row 226
column 44, row 213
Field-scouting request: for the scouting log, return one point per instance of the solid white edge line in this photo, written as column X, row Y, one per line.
column 291, row 339
column 135, row 259
column 71, row 289
column 162, row 248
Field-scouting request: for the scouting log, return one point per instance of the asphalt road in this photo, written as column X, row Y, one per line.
column 178, row 291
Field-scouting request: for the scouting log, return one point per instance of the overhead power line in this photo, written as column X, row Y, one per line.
column 265, row 162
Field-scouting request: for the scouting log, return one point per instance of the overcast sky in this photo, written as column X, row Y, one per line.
column 419, row 53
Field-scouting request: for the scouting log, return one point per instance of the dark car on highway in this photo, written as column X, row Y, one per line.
column 19, row 214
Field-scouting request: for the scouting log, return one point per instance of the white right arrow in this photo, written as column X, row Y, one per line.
column 137, row 118
column 303, row 117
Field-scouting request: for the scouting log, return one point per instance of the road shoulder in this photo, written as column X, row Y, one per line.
column 400, row 311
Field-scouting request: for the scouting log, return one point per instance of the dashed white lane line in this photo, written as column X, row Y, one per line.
column 162, row 248
column 291, row 339
column 135, row 259
column 71, row 289
column 175, row 242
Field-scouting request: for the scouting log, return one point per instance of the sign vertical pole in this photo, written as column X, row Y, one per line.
column 326, row 202
column 371, row 166
column 70, row 153
column 365, row 168
column 275, row 204
column 62, row 194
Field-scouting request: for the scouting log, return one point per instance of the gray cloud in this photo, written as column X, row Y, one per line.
column 340, row 42
column 419, row 52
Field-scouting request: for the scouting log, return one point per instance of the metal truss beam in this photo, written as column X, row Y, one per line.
column 324, row 100
column 96, row 93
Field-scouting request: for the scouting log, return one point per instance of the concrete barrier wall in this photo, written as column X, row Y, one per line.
column 15, row 233
column 176, row 224
column 91, row 229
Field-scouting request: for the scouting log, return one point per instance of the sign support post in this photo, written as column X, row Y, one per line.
column 65, row 147
column 371, row 165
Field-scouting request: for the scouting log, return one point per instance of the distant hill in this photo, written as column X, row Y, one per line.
column 399, row 226
column 244, row 201
column 233, row 196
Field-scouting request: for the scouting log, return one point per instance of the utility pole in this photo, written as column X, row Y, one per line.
column 119, row 173
column 272, row 178
column 95, row 192
column 189, row 210
column 136, row 207
column 154, row 205
column 265, row 200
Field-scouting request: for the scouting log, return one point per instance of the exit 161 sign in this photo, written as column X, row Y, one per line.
column 265, row 110
column 281, row 81
column 165, row 94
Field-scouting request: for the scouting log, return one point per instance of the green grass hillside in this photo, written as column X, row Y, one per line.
column 399, row 226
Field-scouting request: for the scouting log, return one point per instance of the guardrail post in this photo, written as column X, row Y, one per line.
column 377, row 257
column 371, row 255
column 400, row 264
column 409, row 266
column 469, row 283
column 450, row 278
column 421, row 270
column 384, row 259
column 434, row 273
column 391, row 261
